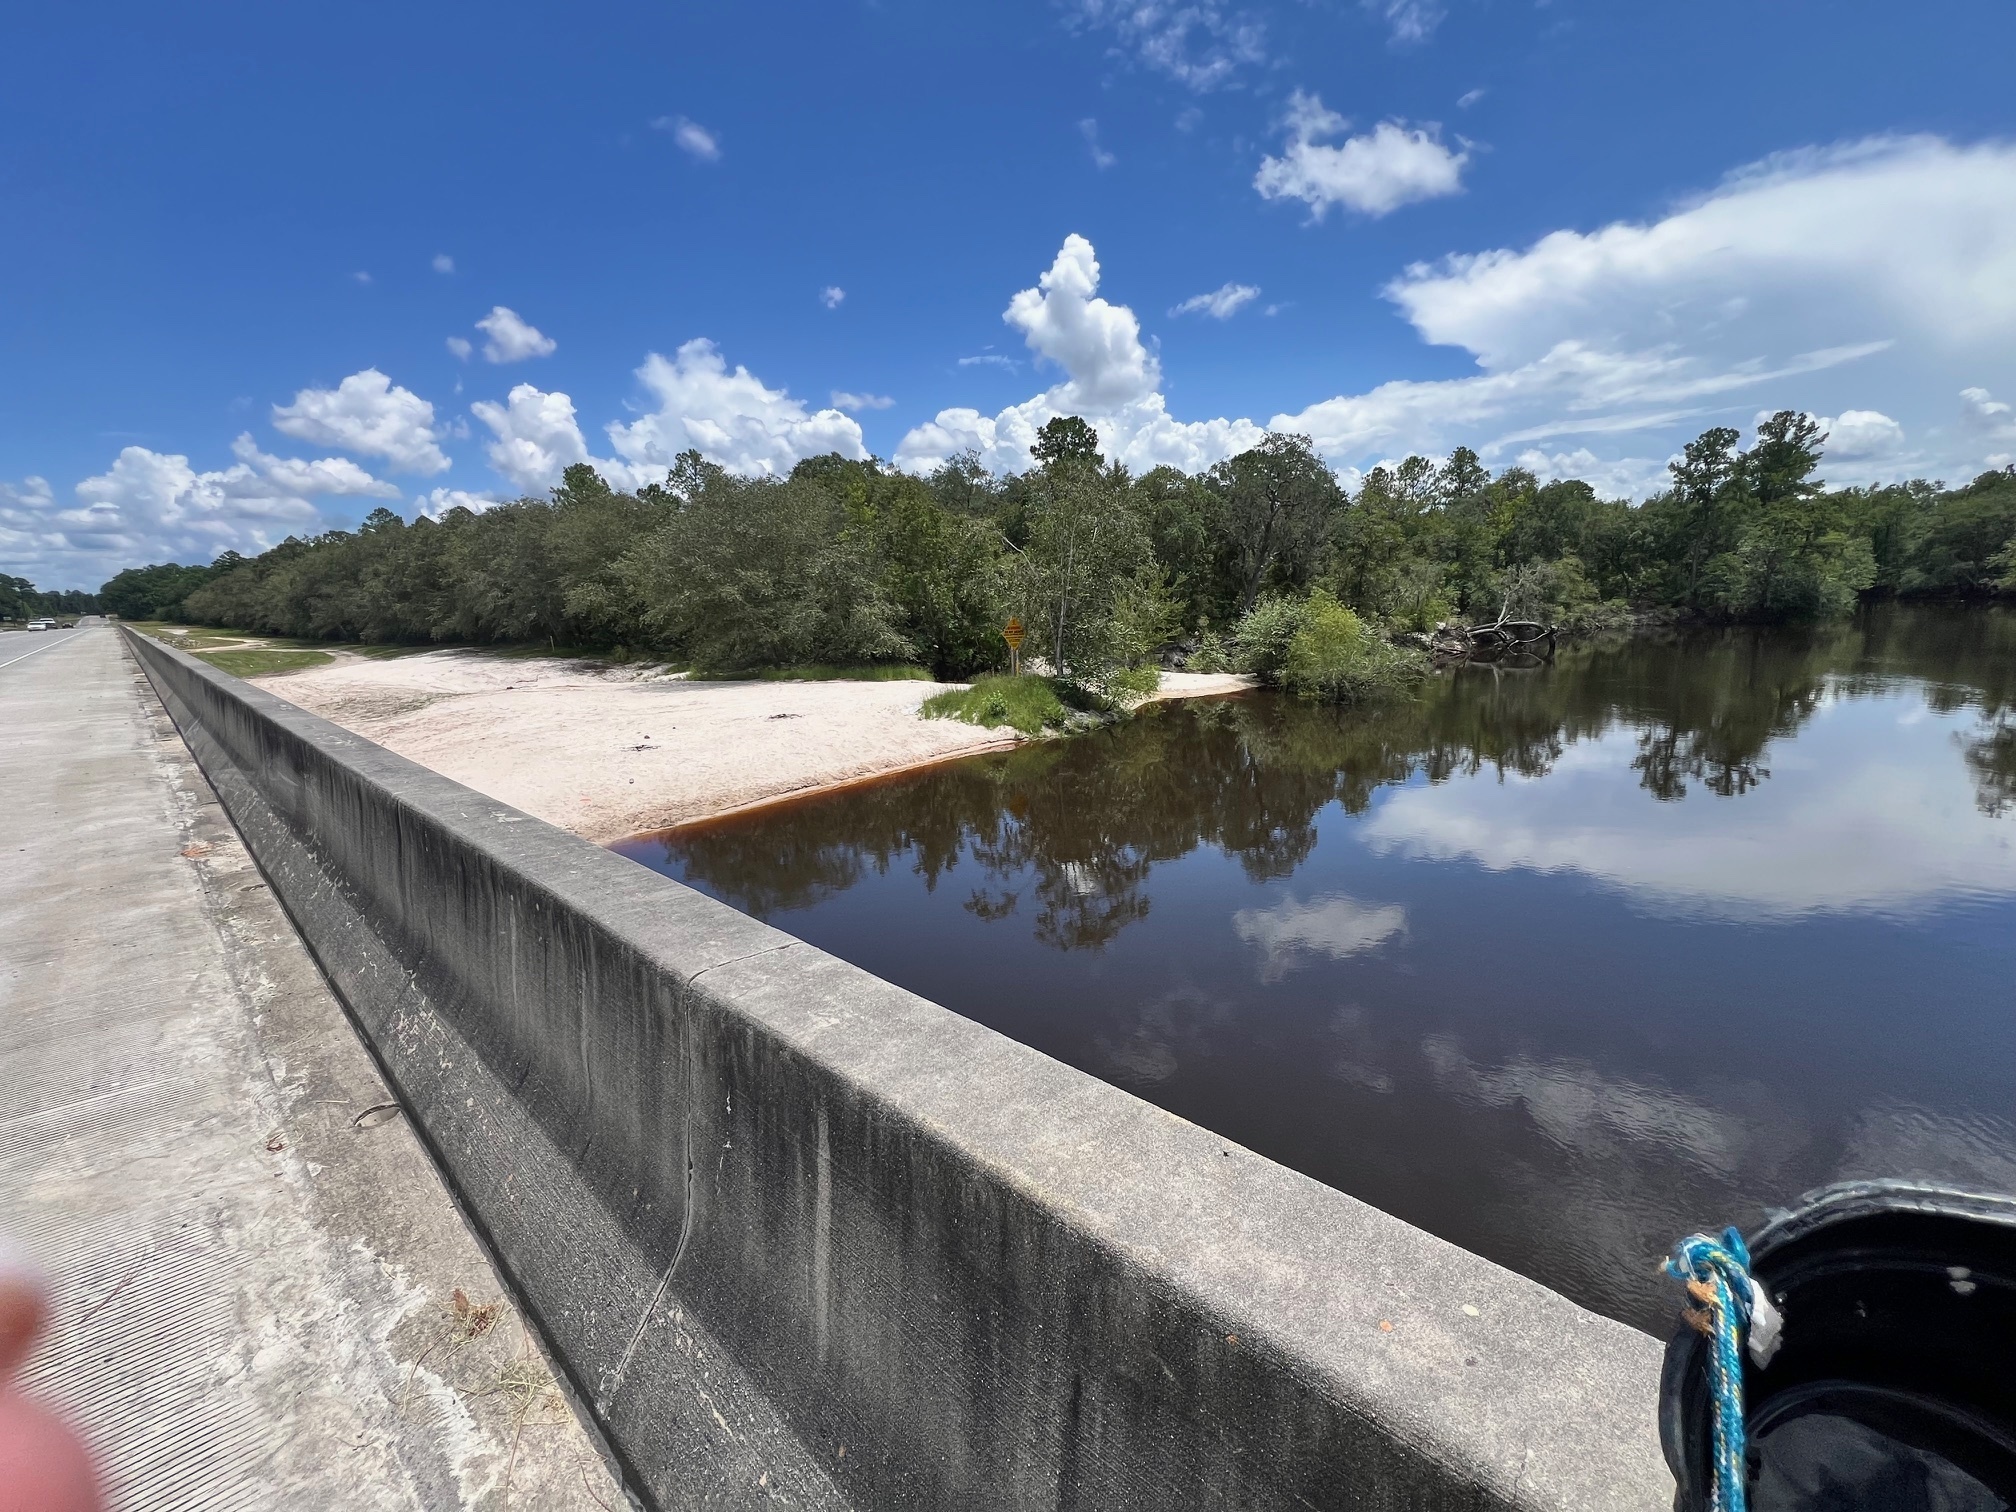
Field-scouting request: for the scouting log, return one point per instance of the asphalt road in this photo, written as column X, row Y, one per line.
column 19, row 645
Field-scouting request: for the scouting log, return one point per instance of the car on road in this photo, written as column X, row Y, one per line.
column 40, row 624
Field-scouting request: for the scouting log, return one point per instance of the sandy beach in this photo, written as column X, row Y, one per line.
column 613, row 751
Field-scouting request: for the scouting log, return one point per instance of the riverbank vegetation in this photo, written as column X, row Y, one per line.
column 1266, row 562
column 1036, row 705
column 1029, row 704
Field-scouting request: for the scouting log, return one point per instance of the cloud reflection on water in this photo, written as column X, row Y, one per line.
column 1290, row 933
column 1852, row 823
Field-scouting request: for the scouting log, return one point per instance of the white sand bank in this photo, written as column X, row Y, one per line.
column 613, row 751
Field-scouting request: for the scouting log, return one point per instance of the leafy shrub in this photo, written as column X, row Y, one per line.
column 1210, row 655
column 1144, row 619
column 1319, row 649
column 1260, row 642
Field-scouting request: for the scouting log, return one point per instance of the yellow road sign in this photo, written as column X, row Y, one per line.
column 1013, row 635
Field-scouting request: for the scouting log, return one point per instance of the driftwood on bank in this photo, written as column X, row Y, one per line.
column 1500, row 635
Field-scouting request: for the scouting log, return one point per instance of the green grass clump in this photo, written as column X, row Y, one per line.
column 1029, row 705
column 258, row 663
column 879, row 672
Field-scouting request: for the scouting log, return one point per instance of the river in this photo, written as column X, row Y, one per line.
column 1559, row 963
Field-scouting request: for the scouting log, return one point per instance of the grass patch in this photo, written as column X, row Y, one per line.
column 1029, row 705
column 186, row 637
column 260, row 662
column 881, row 672
column 200, row 638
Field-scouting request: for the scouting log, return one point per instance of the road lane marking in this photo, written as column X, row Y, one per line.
column 40, row 649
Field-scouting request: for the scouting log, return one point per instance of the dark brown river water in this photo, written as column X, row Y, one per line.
column 1559, row 964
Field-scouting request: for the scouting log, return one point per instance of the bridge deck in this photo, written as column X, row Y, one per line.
column 264, row 1294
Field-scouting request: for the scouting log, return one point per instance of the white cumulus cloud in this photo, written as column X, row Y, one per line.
column 257, row 472
column 443, row 263
column 1221, row 303
column 154, row 506
column 846, row 401
column 730, row 417
column 536, row 436
column 1374, row 174
column 1867, row 276
column 369, row 414
column 831, row 296
column 1111, row 380
column 1611, row 477
column 512, row 338
column 1856, row 434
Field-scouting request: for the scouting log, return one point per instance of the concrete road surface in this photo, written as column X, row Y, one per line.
column 264, row 1294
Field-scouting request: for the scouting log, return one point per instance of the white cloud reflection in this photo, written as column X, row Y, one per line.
column 1843, row 823
column 1333, row 925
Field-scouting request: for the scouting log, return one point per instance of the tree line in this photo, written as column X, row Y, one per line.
column 849, row 562
column 22, row 600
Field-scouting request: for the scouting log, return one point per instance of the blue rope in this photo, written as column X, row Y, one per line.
column 1717, row 1274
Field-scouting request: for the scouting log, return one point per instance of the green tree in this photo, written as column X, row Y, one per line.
column 1704, row 479
column 761, row 573
column 1794, row 558
column 1185, row 521
column 943, row 576
column 1065, row 438
column 1087, row 555
column 593, row 525
column 1276, row 503
column 157, row 592
column 1957, row 536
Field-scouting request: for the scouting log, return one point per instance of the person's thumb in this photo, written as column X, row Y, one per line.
column 24, row 1308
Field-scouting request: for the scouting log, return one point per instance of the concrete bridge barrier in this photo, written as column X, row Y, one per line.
column 799, row 1237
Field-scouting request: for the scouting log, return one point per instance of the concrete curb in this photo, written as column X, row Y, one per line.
column 800, row 1237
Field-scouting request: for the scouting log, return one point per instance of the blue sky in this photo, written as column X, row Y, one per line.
column 240, row 240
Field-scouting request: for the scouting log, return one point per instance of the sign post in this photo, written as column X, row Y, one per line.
column 1013, row 635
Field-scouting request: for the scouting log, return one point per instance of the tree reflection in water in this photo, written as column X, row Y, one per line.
column 1065, row 835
